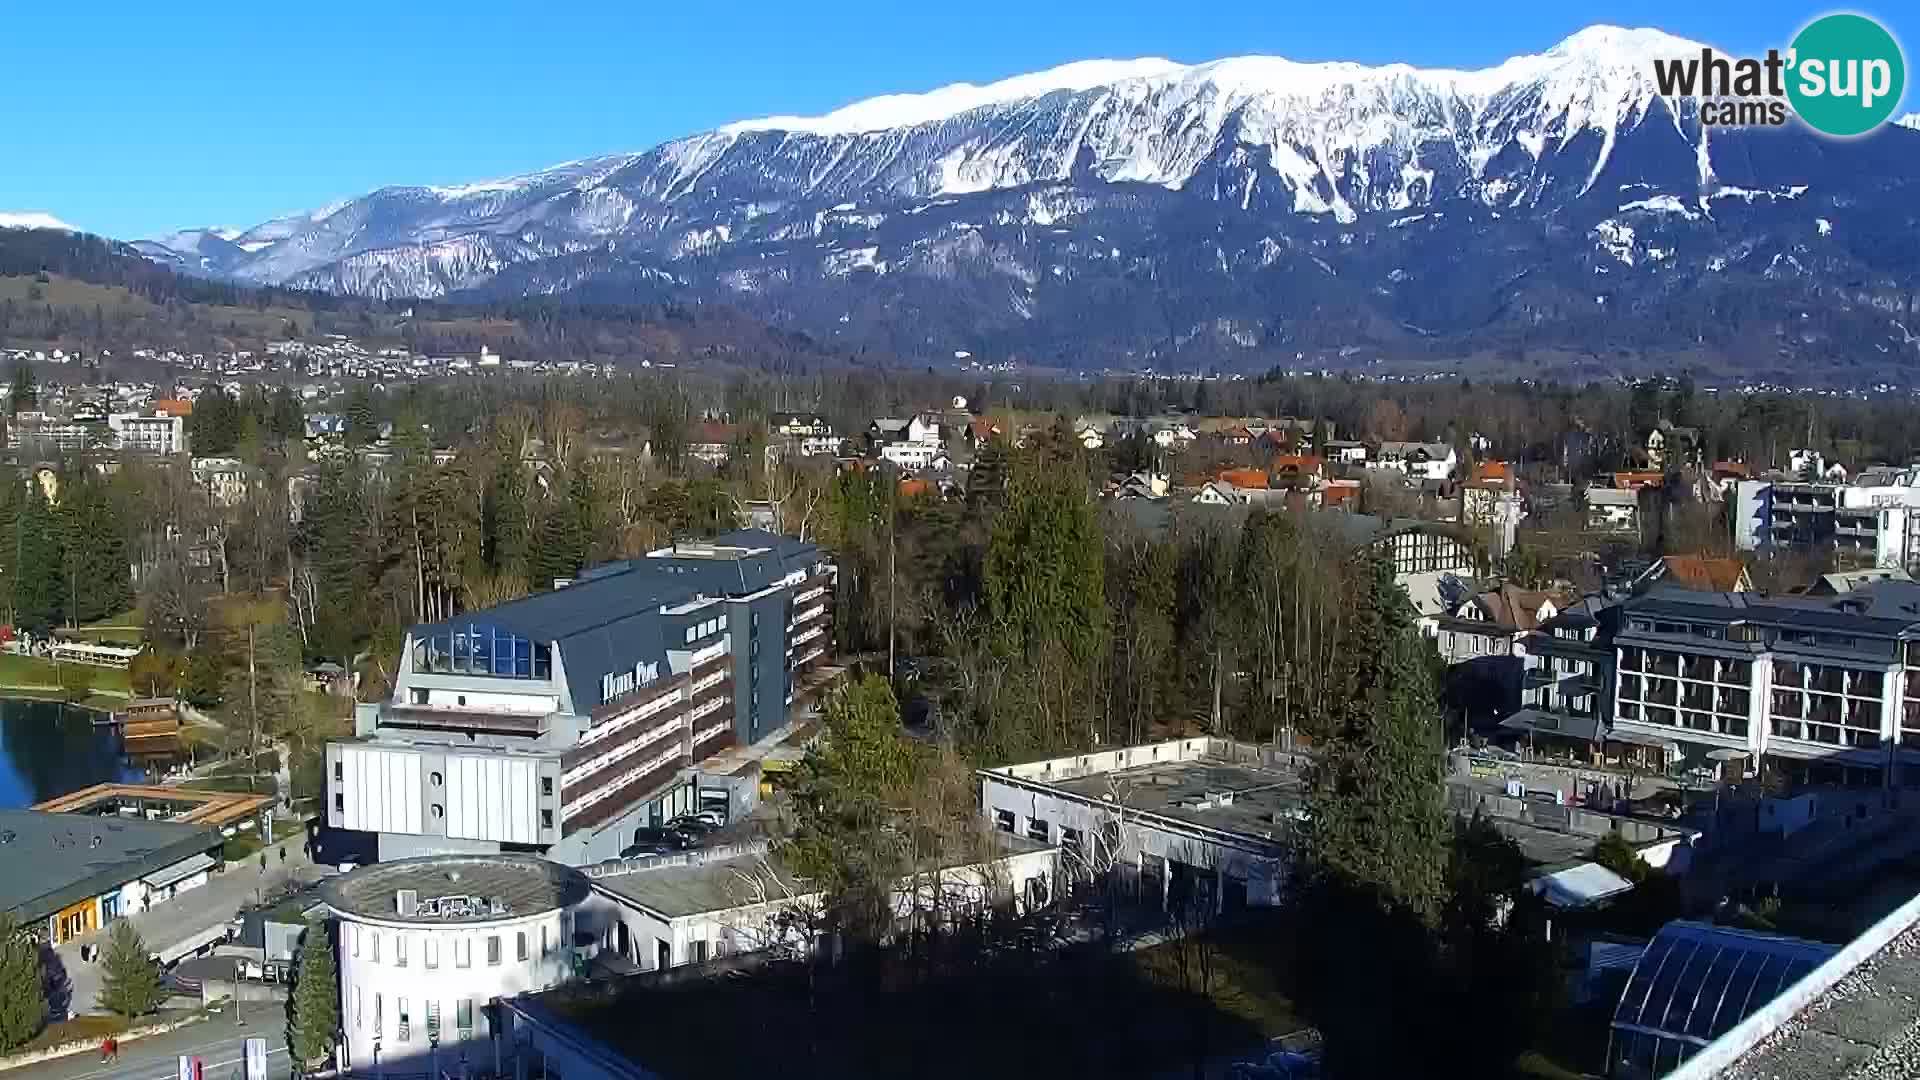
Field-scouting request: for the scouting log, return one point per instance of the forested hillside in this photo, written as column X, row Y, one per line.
column 75, row 291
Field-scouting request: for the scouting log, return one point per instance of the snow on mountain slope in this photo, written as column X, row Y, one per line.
column 1016, row 192
column 32, row 219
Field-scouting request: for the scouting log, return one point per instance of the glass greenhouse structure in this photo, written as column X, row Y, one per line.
column 1694, row 983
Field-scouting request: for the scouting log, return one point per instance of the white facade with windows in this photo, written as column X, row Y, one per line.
column 148, row 434
column 910, row 455
column 427, row 945
column 1817, row 687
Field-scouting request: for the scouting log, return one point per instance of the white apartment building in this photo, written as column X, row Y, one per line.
column 1820, row 689
column 158, row 435
column 910, row 455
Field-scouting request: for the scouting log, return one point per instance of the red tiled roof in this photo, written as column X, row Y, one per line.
column 1706, row 573
column 1243, row 478
column 1629, row 480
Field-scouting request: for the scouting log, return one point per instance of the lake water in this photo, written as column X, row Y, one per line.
column 47, row 750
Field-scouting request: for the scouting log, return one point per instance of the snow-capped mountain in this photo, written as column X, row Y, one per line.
column 32, row 219
column 1144, row 207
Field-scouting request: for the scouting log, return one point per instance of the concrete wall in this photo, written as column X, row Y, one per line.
column 1139, row 834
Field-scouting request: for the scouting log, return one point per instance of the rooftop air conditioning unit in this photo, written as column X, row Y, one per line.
column 406, row 902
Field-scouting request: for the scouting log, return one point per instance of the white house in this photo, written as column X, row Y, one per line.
column 1613, row 508
column 1420, row 461
column 910, row 455
column 223, row 479
column 1346, row 452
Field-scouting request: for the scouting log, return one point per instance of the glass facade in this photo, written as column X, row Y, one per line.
column 480, row 649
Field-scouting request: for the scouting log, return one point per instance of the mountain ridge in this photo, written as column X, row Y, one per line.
column 1019, row 216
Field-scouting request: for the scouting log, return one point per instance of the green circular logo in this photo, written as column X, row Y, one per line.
column 1846, row 74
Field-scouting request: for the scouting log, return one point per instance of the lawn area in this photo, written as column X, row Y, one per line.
column 17, row 670
column 125, row 628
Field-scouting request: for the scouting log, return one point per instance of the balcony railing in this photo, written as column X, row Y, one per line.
column 471, row 721
column 620, row 799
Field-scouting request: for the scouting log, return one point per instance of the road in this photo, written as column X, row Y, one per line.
column 188, row 914
column 219, row 1043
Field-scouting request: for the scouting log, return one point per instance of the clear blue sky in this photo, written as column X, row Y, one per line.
column 132, row 119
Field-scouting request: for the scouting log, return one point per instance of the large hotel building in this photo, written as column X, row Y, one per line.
column 560, row 723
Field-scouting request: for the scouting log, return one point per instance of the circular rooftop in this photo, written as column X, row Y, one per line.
column 441, row 890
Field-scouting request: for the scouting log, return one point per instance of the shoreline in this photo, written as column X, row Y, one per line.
column 95, row 701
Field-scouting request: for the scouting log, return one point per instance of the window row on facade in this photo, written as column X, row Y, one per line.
column 367, row 944
column 483, row 650
column 372, row 1006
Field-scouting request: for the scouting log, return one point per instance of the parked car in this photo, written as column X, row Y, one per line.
column 691, row 829
column 654, row 842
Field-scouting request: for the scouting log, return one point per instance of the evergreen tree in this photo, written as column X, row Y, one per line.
column 363, row 422
column 26, row 392
column 285, row 419
column 23, row 995
column 1374, row 796
column 556, row 546
column 130, row 980
column 845, row 789
column 40, row 584
column 93, row 549
column 1373, row 848
column 584, row 504
column 214, row 426
column 314, row 1011
column 503, row 518
column 13, row 497
column 1044, row 571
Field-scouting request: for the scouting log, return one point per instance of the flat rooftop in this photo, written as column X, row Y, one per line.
column 493, row 886
column 53, row 861
column 216, row 808
column 1260, row 798
column 1550, row 848
column 678, row 891
column 1250, row 791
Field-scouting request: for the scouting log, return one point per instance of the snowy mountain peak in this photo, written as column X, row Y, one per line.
column 1635, row 44
column 1131, row 209
column 32, row 219
column 1611, row 51
column 1911, row 120
column 913, row 110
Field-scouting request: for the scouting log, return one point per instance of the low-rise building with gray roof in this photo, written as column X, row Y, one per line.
column 70, row 874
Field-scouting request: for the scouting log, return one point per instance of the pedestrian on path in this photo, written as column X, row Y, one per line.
column 263, row 863
column 283, row 854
